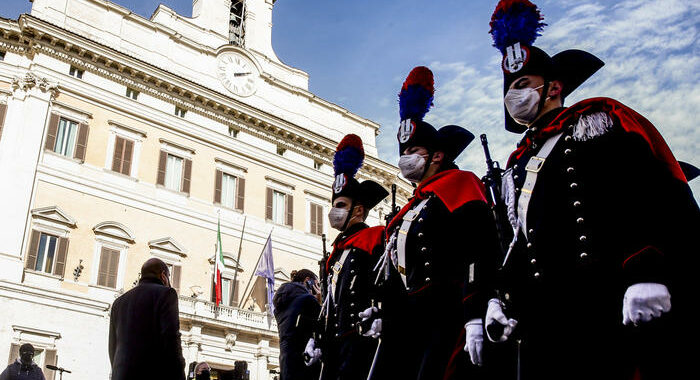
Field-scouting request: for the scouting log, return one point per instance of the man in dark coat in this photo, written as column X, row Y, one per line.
column 24, row 367
column 602, row 218
column 345, row 353
column 296, row 311
column 443, row 245
column 144, row 329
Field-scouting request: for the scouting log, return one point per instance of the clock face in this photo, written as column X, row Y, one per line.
column 237, row 73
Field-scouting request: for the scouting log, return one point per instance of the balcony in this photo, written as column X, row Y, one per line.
column 195, row 309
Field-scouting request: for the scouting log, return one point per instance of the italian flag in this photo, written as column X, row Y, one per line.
column 219, row 254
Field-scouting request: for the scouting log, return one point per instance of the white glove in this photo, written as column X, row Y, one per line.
column 475, row 340
column 494, row 314
column 314, row 353
column 376, row 329
column 645, row 301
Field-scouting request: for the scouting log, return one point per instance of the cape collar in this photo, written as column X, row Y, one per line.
column 454, row 187
column 626, row 117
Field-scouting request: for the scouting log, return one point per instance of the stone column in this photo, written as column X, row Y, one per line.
column 260, row 371
column 20, row 149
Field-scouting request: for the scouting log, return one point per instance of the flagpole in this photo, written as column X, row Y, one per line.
column 238, row 260
column 269, row 238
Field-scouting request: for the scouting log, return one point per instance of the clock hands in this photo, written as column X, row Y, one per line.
column 241, row 74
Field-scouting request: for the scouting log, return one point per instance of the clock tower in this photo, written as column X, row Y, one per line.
column 243, row 23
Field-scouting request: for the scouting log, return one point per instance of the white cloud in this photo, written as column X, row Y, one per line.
column 650, row 49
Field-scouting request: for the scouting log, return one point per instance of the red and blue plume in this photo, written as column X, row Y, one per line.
column 416, row 94
column 348, row 155
column 515, row 21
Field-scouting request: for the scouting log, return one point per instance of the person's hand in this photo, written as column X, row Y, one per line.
column 317, row 292
column 475, row 340
column 311, row 353
column 494, row 314
column 376, row 329
column 645, row 301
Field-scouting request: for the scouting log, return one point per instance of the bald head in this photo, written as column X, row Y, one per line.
column 155, row 268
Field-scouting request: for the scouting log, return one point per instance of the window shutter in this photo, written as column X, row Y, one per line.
column 313, row 216
column 33, row 247
column 217, row 186
column 49, row 358
column 102, row 271
column 268, row 204
column 290, row 210
column 186, row 178
column 126, row 157
column 60, row 267
column 81, row 145
column 240, row 193
column 161, row 168
column 176, row 278
column 319, row 220
column 118, row 154
column 14, row 353
column 113, row 268
column 3, row 111
column 234, row 296
column 51, row 134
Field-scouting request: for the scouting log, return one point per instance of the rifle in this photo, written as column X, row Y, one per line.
column 394, row 208
column 322, row 321
column 492, row 180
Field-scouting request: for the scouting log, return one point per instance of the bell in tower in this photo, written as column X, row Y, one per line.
column 237, row 23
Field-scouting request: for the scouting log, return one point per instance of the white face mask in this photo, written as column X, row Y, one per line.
column 337, row 217
column 412, row 166
column 521, row 104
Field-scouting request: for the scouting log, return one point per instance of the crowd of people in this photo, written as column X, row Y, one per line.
column 571, row 262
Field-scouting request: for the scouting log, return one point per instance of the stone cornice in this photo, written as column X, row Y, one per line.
column 35, row 35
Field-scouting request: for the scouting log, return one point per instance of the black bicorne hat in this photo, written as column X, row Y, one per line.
column 348, row 159
column 415, row 100
column 515, row 25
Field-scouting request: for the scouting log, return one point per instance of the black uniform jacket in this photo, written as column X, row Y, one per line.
column 144, row 334
column 609, row 209
column 296, row 312
column 451, row 253
column 355, row 282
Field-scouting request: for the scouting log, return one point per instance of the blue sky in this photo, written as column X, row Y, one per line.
column 357, row 54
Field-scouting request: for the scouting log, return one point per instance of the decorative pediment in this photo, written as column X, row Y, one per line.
column 114, row 230
column 168, row 244
column 281, row 275
column 54, row 214
column 229, row 262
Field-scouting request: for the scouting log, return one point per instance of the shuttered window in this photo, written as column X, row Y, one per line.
column 47, row 253
column 316, row 216
column 3, row 112
column 67, row 137
column 175, row 274
column 109, row 267
column 229, row 190
column 279, row 207
column 123, row 155
column 175, row 173
column 229, row 291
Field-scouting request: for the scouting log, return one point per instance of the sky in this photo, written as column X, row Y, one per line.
column 357, row 54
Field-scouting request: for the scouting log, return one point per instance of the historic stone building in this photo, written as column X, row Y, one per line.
column 124, row 138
